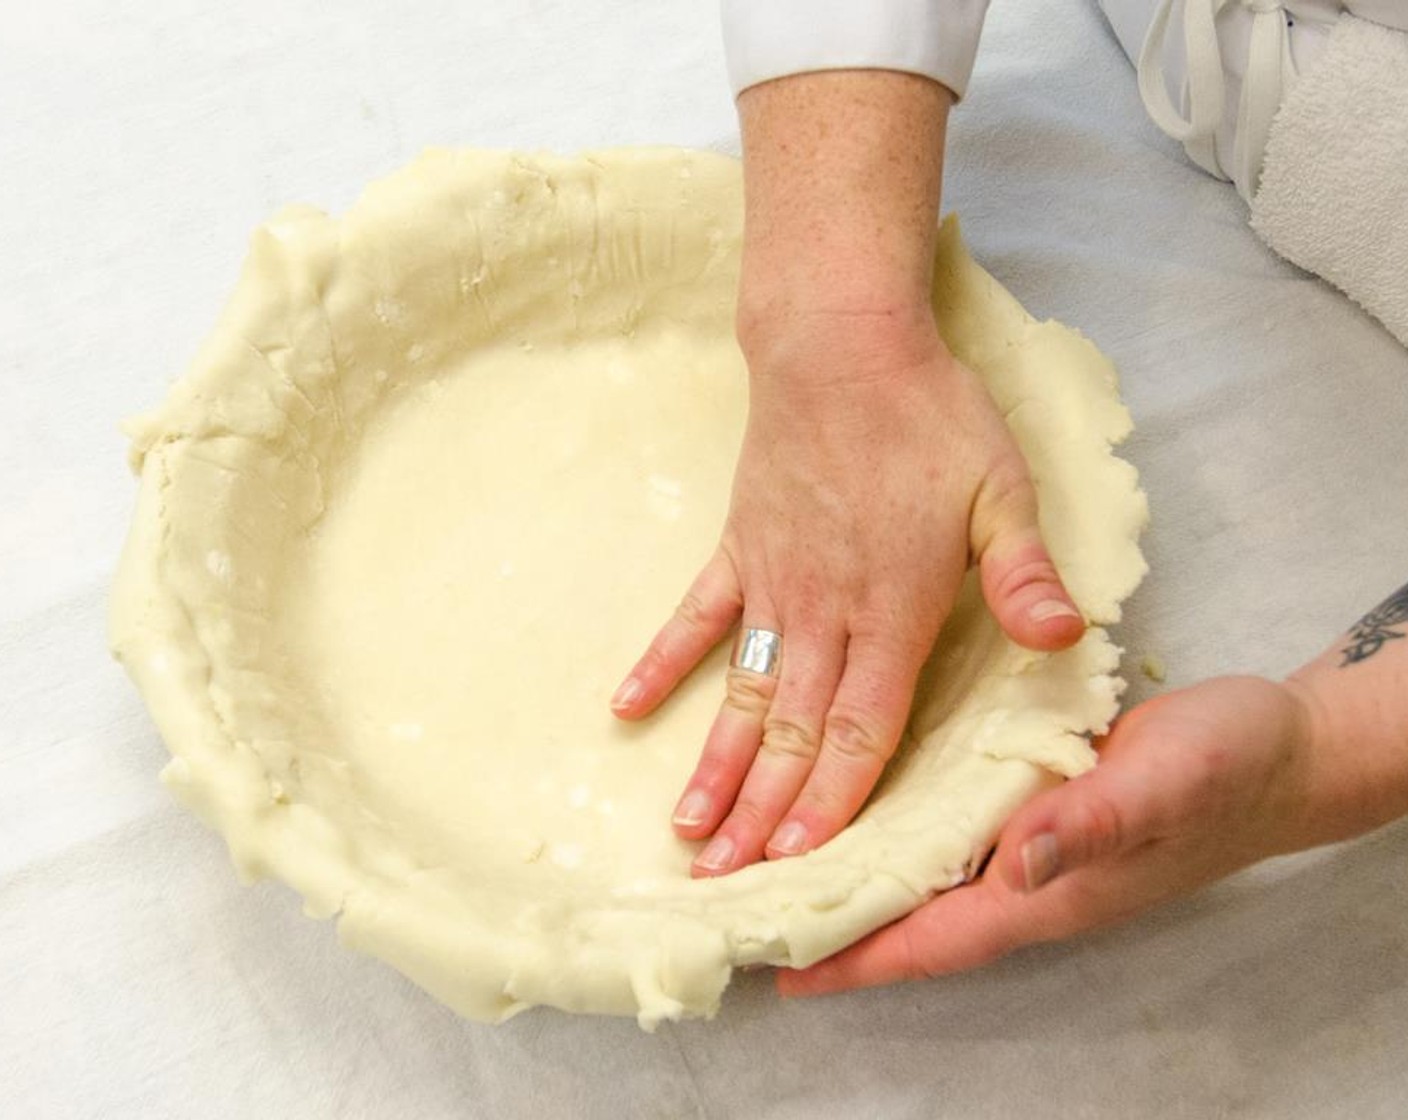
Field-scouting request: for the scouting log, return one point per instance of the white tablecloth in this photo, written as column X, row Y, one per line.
column 140, row 143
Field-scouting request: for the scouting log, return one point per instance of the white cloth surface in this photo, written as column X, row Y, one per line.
column 1334, row 196
column 936, row 38
column 143, row 141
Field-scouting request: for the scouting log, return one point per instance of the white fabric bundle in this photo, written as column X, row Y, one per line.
column 1303, row 105
column 1212, row 73
column 1334, row 189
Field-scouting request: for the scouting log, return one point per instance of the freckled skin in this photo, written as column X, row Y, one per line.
column 874, row 469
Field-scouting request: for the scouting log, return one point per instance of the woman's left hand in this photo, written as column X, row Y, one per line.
column 1190, row 787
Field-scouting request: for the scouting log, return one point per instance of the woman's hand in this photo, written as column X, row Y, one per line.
column 873, row 466
column 1190, row 787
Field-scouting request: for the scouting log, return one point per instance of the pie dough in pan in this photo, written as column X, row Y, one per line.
column 441, row 469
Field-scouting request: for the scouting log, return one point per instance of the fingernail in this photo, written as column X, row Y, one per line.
column 717, row 854
column 629, row 692
column 790, row 839
column 1052, row 608
column 1041, row 862
column 692, row 809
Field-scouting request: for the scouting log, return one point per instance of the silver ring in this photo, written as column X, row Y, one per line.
column 758, row 651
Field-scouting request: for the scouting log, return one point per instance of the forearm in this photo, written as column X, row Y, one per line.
column 843, row 173
column 1356, row 694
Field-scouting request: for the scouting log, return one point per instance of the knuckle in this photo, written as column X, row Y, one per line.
column 930, row 951
column 897, row 632
column 1212, row 771
column 882, row 620
column 1004, row 495
column 920, row 962
column 856, row 739
column 883, row 606
column 788, row 738
column 748, row 693
column 658, row 656
column 747, row 818
column 694, row 612
column 1030, row 572
column 1011, row 926
column 1009, row 487
column 1099, row 826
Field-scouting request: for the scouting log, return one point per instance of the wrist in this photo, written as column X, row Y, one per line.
column 1320, row 785
column 790, row 337
column 842, row 179
column 842, row 266
column 835, row 305
column 1357, row 772
column 840, row 277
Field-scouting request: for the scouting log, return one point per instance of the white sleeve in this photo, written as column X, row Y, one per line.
column 766, row 39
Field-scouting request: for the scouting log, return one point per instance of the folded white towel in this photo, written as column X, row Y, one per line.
column 1334, row 186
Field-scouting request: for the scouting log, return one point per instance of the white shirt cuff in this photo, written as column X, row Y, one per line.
column 765, row 39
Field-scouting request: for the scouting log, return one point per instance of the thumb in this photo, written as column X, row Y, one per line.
column 1106, row 811
column 1020, row 583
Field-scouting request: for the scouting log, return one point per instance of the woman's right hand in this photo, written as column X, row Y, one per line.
column 873, row 467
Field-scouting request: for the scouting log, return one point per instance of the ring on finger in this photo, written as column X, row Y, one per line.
column 758, row 651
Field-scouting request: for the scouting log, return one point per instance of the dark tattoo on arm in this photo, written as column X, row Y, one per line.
column 1387, row 621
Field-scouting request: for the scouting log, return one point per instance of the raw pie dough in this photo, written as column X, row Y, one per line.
column 439, row 472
